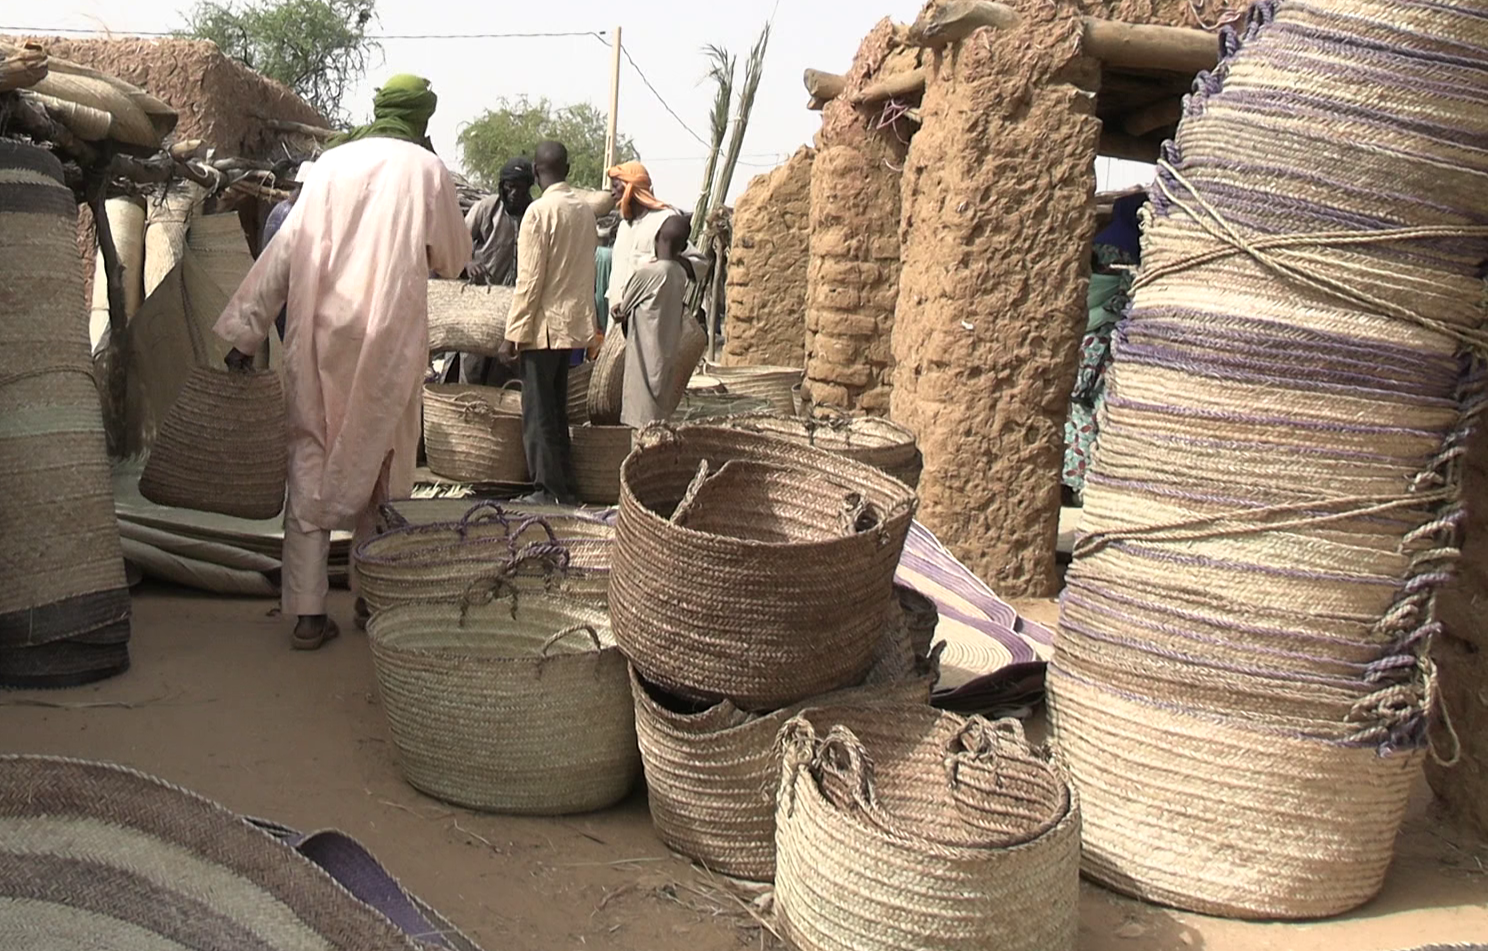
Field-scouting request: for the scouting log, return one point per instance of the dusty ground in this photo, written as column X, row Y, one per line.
column 217, row 703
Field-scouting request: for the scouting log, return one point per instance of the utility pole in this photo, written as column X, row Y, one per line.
column 610, row 133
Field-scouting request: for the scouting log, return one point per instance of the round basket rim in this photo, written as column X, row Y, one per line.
column 379, row 639
column 904, row 507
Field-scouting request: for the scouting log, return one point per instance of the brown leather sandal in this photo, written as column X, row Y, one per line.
column 312, row 631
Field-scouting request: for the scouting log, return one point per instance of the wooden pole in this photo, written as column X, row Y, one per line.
column 955, row 21
column 299, row 128
column 822, row 85
column 896, row 86
column 1135, row 46
column 611, row 131
column 116, row 387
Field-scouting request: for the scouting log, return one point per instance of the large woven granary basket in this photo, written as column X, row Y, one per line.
column 467, row 318
column 920, row 829
column 474, row 433
column 800, row 548
column 223, row 446
column 598, row 452
column 712, row 771
column 518, row 705
column 868, row 439
column 64, row 603
column 607, row 381
column 440, row 561
column 766, row 382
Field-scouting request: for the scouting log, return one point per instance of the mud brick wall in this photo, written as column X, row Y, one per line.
column 998, row 218
column 768, row 263
column 1461, row 653
column 853, row 276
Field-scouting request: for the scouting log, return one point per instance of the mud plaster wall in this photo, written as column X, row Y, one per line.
column 853, row 276
column 219, row 100
column 998, row 216
column 767, row 267
column 1461, row 653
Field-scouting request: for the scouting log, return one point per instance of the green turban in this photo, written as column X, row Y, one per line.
column 400, row 110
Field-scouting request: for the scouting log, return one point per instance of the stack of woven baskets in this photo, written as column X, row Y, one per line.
column 500, row 679
column 1242, row 683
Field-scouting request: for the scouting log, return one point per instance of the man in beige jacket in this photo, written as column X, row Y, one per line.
column 552, row 315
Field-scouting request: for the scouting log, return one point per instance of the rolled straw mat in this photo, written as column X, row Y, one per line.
column 59, row 551
column 99, row 856
column 920, row 829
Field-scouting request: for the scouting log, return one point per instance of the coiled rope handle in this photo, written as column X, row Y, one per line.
column 575, row 629
column 481, row 513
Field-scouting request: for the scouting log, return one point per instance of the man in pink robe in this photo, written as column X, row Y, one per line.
column 352, row 261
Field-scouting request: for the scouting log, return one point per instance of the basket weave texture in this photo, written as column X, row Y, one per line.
column 598, row 452
column 223, row 446
column 919, row 829
column 519, row 705
column 474, row 433
column 467, row 318
column 800, row 548
column 868, row 439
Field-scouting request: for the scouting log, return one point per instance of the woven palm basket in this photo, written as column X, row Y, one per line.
column 467, row 318
column 223, row 446
column 800, row 546
column 920, row 829
column 474, row 433
column 711, row 772
column 442, row 560
column 578, row 393
column 1242, row 683
column 607, row 381
column 520, row 705
column 773, row 384
column 99, row 856
column 868, row 439
column 60, row 555
column 598, row 452
column 701, row 406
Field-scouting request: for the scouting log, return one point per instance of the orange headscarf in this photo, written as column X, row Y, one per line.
column 637, row 183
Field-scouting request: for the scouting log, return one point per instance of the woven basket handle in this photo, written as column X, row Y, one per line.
column 487, row 590
column 858, row 515
column 481, row 512
column 688, row 497
column 984, row 742
column 554, row 555
column 844, row 770
column 530, row 521
column 391, row 515
column 586, row 628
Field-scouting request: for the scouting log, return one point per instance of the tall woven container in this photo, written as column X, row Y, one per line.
column 474, row 433
column 800, row 547
column 578, row 393
column 64, row 606
column 918, row 829
column 441, row 561
column 467, row 318
column 607, row 381
column 521, row 705
column 711, row 773
column 1242, row 683
column 868, row 439
column 598, row 452
column 766, row 382
column 223, row 446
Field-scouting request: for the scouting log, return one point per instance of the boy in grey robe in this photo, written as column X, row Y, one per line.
column 651, row 313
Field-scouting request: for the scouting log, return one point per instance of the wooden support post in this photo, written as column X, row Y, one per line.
column 1175, row 48
column 952, row 22
column 612, row 128
column 822, row 85
column 1159, row 115
column 116, row 387
column 896, row 86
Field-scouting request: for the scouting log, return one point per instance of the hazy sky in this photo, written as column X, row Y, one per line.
column 471, row 74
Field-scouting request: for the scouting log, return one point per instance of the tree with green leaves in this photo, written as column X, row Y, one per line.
column 318, row 48
column 515, row 127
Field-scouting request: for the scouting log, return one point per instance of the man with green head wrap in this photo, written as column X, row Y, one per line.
column 400, row 110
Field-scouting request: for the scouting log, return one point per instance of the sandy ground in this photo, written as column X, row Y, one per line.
column 217, row 703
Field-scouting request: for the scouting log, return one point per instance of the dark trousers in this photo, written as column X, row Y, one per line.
column 545, row 422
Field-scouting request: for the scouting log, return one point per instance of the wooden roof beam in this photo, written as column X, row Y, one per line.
column 1176, row 48
column 824, row 86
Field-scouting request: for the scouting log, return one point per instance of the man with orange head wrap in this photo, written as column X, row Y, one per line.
column 641, row 217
